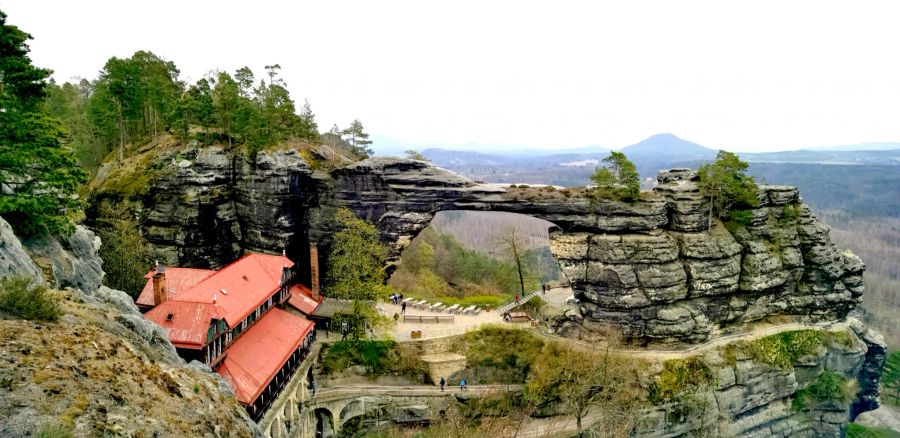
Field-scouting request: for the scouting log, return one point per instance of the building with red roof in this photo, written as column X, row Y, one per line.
column 231, row 319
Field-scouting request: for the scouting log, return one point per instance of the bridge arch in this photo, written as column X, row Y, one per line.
column 325, row 424
column 352, row 410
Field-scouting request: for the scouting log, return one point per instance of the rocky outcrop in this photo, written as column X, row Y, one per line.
column 209, row 205
column 14, row 260
column 70, row 261
column 651, row 266
column 750, row 397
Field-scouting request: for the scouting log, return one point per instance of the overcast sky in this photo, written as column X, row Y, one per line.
column 760, row 75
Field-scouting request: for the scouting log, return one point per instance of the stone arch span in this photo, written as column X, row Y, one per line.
column 650, row 266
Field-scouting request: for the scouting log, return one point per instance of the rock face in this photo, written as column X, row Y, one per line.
column 749, row 398
column 13, row 258
column 209, row 205
column 650, row 266
column 71, row 262
column 685, row 284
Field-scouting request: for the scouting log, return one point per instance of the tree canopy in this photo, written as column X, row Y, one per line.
column 39, row 176
column 617, row 178
column 729, row 189
column 356, row 261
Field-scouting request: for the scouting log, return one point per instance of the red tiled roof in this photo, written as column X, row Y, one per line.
column 248, row 282
column 187, row 328
column 255, row 357
column 178, row 280
column 301, row 299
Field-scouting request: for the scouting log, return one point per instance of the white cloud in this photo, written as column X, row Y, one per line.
column 753, row 75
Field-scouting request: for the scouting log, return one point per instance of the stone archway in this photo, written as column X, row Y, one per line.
column 352, row 410
column 324, row 421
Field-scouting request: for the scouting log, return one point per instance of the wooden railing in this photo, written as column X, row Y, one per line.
column 428, row 318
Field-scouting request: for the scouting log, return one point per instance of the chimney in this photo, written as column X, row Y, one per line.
column 159, row 285
column 314, row 270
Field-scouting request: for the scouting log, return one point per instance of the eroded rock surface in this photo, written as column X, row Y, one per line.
column 752, row 398
column 651, row 267
column 209, row 205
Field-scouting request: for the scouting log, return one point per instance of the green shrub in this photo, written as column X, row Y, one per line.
column 499, row 355
column 789, row 213
column 680, row 376
column 828, row 387
column 380, row 357
column 20, row 297
column 743, row 217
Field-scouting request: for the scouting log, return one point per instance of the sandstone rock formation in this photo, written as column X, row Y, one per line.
column 650, row 266
column 750, row 397
column 208, row 205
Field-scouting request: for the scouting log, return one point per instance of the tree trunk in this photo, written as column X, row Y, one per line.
column 709, row 217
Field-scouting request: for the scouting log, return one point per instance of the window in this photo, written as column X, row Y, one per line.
column 170, row 316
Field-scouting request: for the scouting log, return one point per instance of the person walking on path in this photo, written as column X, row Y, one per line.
column 403, row 308
column 462, row 385
column 517, row 299
column 443, row 382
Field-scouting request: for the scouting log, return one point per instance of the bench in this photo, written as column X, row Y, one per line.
column 420, row 304
column 453, row 309
column 518, row 316
column 408, row 300
column 428, row 318
column 436, row 307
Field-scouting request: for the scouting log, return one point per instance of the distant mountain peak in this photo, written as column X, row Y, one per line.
column 667, row 145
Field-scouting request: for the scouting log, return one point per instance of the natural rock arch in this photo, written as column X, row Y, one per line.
column 650, row 267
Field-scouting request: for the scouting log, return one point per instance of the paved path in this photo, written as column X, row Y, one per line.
column 749, row 335
column 461, row 323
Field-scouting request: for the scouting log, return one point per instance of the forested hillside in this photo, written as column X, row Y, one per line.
column 461, row 257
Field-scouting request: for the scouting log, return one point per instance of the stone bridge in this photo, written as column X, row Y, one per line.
column 298, row 413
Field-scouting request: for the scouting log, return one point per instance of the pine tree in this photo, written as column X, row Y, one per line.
column 618, row 178
column 729, row 189
column 39, row 176
column 358, row 138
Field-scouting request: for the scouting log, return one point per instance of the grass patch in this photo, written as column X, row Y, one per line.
column 378, row 357
column 859, row 431
column 781, row 350
column 829, row 387
column 499, row 355
column 19, row 296
column 478, row 300
column 680, row 376
column 53, row 430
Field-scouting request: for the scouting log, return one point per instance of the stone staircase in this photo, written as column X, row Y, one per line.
column 512, row 304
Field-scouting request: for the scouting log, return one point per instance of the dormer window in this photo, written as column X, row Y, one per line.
column 170, row 316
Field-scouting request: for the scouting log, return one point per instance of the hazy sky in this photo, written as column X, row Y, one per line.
column 760, row 75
